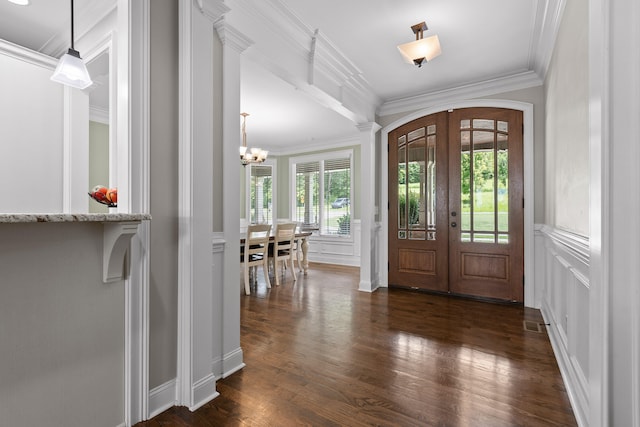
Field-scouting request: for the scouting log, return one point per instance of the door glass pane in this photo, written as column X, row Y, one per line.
column 261, row 195
column 482, row 124
column 431, row 185
column 483, row 181
column 416, row 186
column 503, row 184
column 465, row 185
column 402, row 191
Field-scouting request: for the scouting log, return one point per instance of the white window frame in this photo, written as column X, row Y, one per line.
column 274, row 190
column 321, row 157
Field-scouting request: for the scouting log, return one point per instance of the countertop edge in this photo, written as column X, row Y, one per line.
column 17, row 218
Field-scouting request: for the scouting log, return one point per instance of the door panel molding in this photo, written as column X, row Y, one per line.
column 528, row 155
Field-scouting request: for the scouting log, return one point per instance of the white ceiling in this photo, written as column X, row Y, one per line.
column 481, row 41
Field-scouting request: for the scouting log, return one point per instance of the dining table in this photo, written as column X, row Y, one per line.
column 302, row 238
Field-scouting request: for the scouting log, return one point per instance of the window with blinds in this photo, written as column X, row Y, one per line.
column 261, row 197
column 323, row 195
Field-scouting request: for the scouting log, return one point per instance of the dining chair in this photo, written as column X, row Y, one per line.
column 283, row 249
column 255, row 252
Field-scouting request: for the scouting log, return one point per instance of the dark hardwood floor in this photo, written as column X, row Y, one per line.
column 321, row 353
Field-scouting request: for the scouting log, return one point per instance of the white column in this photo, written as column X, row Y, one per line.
column 614, row 92
column 197, row 350
column 233, row 44
column 368, row 277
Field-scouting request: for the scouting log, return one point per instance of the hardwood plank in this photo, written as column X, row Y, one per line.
column 321, row 353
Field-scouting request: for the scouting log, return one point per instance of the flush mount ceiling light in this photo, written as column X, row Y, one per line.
column 253, row 155
column 20, row 2
column 71, row 71
column 420, row 50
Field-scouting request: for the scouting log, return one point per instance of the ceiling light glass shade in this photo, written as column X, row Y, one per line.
column 418, row 51
column 71, row 71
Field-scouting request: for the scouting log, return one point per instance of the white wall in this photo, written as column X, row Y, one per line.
column 567, row 131
column 31, row 135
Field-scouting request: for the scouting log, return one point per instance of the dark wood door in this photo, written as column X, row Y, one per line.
column 456, row 203
column 486, row 217
column 418, row 204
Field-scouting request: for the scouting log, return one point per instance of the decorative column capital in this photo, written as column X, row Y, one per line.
column 232, row 37
column 213, row 9
column 371, row 127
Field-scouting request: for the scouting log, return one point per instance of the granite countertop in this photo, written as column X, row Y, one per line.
column 8, row 218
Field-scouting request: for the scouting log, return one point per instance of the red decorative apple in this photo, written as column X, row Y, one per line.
column 112, row 195
column 99, row 194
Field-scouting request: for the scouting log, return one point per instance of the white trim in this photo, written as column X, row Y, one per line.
column 523, row 80
column 319, row 145
column 99, row 115
column 162, row 398
column 204, row 390
column 528, row 140
column 564, row 263
column 129, row 149
column 29, row 56
column 232, row 362
column 599, row 221
column 547, row 31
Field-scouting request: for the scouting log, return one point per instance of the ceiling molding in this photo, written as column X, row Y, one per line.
column 318, row 145
column 27, row 55
column 304, row 58
column 100, row 115
column 548, row 20
column 231, row 37
column 519, row 81
column 213, row 9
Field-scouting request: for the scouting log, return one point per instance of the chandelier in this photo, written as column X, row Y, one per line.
column 252, row 155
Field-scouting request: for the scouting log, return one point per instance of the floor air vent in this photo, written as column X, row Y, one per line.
column 532, row 326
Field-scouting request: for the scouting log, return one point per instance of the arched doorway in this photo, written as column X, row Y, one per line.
column 456, row 205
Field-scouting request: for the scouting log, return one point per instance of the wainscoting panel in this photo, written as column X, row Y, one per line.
column 337, row 250
column 562, row 259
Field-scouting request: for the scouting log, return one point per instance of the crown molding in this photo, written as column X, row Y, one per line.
column 100, row 115
column 518, row 81
column 547, row 24
column 213, row 9
column 304, row 58
column 232, row 37
column 27, row 55
column 318, row 145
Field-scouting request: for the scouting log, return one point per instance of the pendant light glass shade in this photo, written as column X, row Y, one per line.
column 71, row 71
column 418, row 51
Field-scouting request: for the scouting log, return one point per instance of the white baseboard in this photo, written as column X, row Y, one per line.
column 204, row 391
column 162, row 398
column 232, row 362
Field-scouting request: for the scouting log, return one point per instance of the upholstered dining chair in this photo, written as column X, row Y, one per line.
column 283, row 249
column 255, row 252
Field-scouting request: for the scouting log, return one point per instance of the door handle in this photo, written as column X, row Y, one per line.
column 453, row 224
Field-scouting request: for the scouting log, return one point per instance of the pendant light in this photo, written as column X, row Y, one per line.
column 421, row 49
column 71, row 70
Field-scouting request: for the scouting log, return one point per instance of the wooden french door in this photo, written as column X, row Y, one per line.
column 456, row 209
